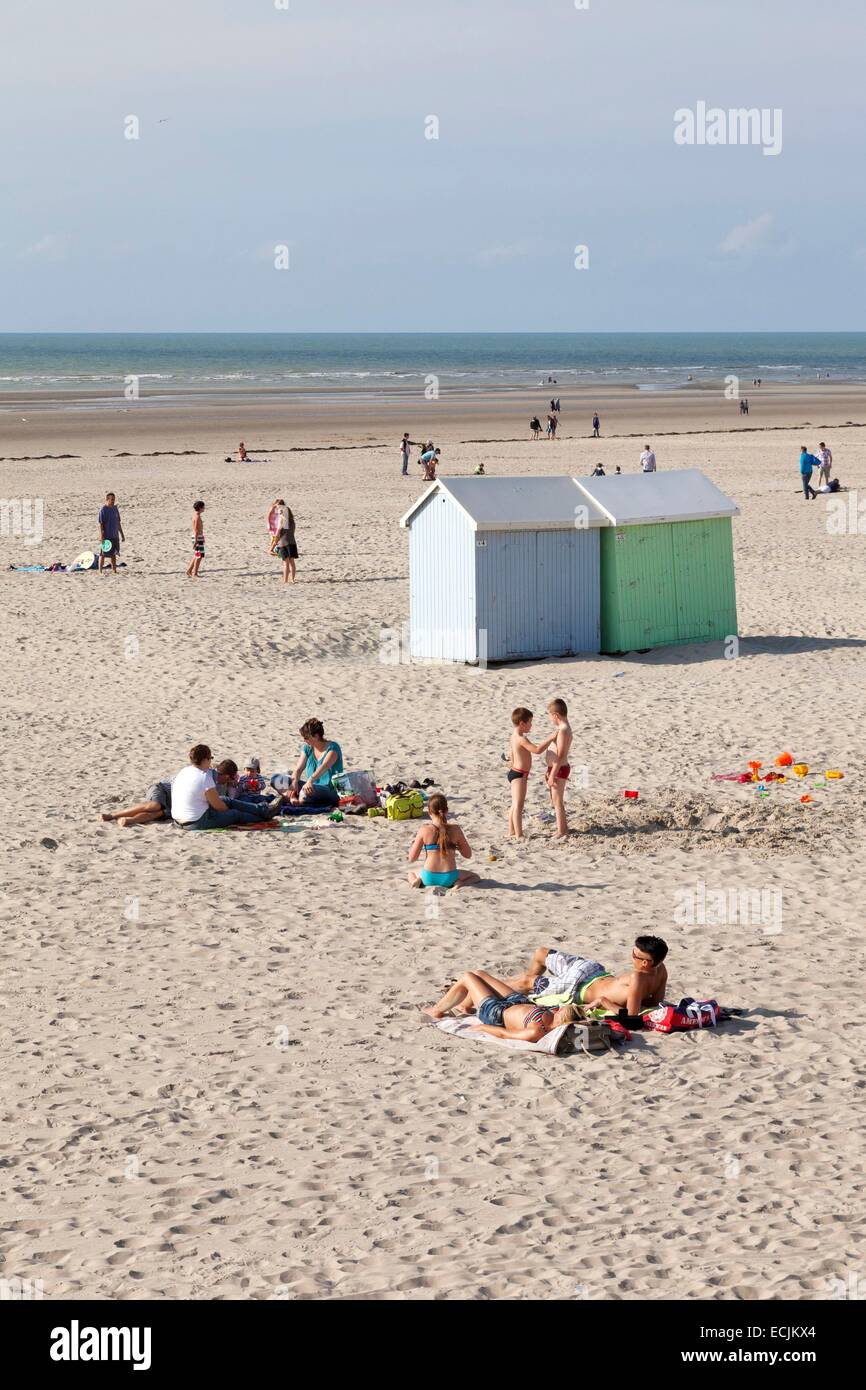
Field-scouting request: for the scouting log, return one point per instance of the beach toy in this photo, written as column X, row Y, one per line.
column 754, row 769
column 336, row 816
column 760, row 793
column 762, row 788
column 491, row 858
column 805, row 798
column 630, row 796
column 784, row 760
column 801, row 769
column 105, row 547
column 85, row 561
column 834, row 775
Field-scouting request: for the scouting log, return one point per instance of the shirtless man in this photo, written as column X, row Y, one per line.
column 521, row 751
column 553, row 972
column 558, row 765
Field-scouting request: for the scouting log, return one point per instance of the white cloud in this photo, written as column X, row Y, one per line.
column 748, row 236
column 51, row 247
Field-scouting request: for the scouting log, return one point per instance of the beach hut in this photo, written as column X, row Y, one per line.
column 667, row 560
column 503, row 569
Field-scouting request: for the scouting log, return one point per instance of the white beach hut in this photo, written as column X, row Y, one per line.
column 503, row 569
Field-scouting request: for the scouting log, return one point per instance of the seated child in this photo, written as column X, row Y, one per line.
column 441, row 842
column 502, row 1012
column 251, row 784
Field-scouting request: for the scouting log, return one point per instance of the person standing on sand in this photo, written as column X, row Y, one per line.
column 596, row 426
column 826, row 459
column 287, row 546
column 551, row 426
column 197, row 541
column 535, row 426
column 242, row 452
column 405, row 444
column 558, row 766
column 648, row 460
column 807, row 463
column 110, row 529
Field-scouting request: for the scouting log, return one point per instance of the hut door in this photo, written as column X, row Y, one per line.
column 554, row 590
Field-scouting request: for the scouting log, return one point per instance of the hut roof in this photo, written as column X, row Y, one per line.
column 515, row 503
column 633, row 499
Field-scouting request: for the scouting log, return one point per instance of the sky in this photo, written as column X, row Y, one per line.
column 306, row 127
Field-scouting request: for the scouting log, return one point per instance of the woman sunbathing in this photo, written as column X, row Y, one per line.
column 441, row 844
column 501, row 1012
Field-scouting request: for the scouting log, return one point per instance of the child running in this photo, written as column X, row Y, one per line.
column 521, row 764
column 501, row 1012
column 558, row 765
column 441, row 842
column 197, row 541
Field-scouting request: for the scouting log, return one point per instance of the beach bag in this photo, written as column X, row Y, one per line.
column 593, row 1037
column 360, row 784
column 404, row 805
column 683, row 1017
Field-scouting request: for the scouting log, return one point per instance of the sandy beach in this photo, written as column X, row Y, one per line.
column 218, row 1084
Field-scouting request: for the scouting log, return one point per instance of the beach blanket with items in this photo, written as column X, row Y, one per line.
column 767, row 780
column 599, row 1032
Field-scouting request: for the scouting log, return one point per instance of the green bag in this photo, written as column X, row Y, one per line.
column 404, row 805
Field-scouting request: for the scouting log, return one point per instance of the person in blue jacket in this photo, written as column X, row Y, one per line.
column 807, row 463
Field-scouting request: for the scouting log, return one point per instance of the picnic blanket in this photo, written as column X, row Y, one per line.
column 465, row 1028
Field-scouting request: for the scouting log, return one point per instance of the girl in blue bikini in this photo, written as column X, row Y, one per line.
column 441, row 843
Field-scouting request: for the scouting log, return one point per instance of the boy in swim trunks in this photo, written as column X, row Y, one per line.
column 521, row 764
column 558, row 765
column 197, row 541
column 502, row 1012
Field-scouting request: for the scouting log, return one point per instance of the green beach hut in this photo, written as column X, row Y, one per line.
column 667, row 559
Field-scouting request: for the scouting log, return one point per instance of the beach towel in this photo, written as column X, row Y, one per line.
column 551, row 1043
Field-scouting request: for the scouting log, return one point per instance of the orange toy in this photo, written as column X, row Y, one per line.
column 784, row 760
column 805, row 798
column 755, row 768
column 801, row 769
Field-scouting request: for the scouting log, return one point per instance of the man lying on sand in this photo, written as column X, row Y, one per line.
column 155, row 806
column 502, row 1012
column 557, row 975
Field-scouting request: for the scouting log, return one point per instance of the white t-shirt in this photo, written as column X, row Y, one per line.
column 648, row 461
column 188, row 801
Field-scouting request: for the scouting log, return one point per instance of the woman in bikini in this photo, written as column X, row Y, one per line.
column 441, row 843
column 501, row 1012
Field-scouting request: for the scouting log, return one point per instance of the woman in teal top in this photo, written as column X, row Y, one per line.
column 320, row 761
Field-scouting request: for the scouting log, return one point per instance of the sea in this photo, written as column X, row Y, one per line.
column 180, row 366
